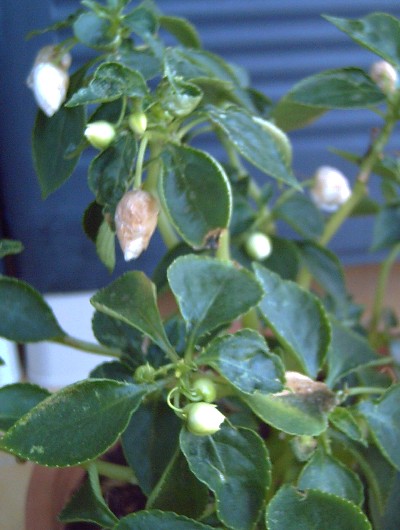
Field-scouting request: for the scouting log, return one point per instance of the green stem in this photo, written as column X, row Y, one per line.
column 139, row 163
column 113, row 471
column 357, row 390
column 189, row 126
column 122, row 113
column 223, row 250
column 381, row 288
column 88, row 347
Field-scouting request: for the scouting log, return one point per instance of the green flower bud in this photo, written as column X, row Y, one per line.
column 385, row 76
column 258, row 246
column 138, row 122
column 100, row 134
column 144, row 373
column 205, row 389
column 202, row 418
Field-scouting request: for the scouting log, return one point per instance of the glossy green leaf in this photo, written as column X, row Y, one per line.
column 184, row 31
column 284, row 259
column 87, row 504
column 389, row 517
column 16, row 400
column 158, row 520
column 115, row 370
column 144, row 60
column 8, row 246
column 289, row 115
column 188, row 179
column 211, row 292
column 325, row 473
column 302, row 215
column 302, row 412
column 150, row 442
column 297, row 319
column 245, row 361
column 24, row 314
column 343, row 419
column 132, row 299
column 386, row 228
column 105, row 245
column 110, row 81
column 74, row 425
column 92, row 30
column 92, row 220
column 347, row 352
column 109, row 171
column 263, row 148
column 325, row 268
column 291, row 509
column 53, row 140
column 179, row 490
column 378, row 32
column 383, row 419
column 234, row 464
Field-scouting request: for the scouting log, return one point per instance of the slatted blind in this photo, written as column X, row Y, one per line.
column 279, row 42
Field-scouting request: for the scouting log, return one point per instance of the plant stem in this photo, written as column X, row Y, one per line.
column 123, row 110
column 139, row 162
column 223, row 250
column 381, row 288
column 357, row 390
column 88, row 347
column 114, row 471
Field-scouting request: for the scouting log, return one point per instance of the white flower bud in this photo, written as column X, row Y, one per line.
column 258, row 246
column 205, row 389
column 100, row 134
column 203, row 418
column 135, row 221
column 138, row 122
column 385, row 76
column 331, row 189
column 49, row 79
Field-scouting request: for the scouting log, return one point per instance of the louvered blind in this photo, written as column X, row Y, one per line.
column 279, row 42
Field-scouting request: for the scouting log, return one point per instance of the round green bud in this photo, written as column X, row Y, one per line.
column 100, row 134
column 202, row 418
column 205, row 389
column 258, row 246
column 138, row 122
column 144, row 374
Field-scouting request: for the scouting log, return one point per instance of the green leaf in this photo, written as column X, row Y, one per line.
column 245, row 361
column 92, row 220
column 24, row 315
column 53, row 140
column 132, row 299
column 105, row 245
column 388, row 519
column 262, row 147
column 181, row 29
column 289, row 115
column 150, row 441
column 325, row 473
column 302, row 215
column 211, row 292
column 16, row 400
column 325, row 268
column 344, row 421
column 284, row 259
column 143, row 60
column 141, row 21
column 348, row 351
column 8, row 246
column 74, row 425
column 158, row 520
column 93, row 31
column 302, row 409
column 87, row 504
column 110, row 81
column 109, row 172
column 383, row 419
column 179, row 490
column 234, row 464
column 297, row 319
column 291, row 509
column 115, row 370
column 378, row 32
column 344, row 88
column 189, row 177
column 386, row 227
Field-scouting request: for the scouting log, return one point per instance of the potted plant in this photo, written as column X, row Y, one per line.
column 262, row 400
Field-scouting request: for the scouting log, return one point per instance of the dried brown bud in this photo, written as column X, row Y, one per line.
column 135, row 221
